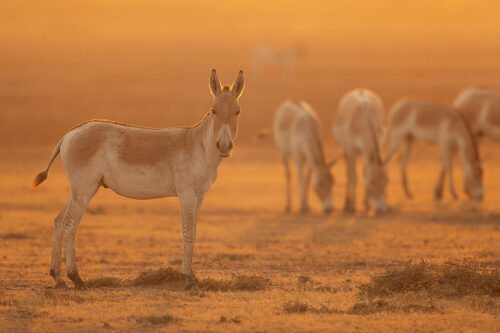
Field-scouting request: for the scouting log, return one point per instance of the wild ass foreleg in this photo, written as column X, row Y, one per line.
column 286, row 163
column 438, row 189
column 403, row 162
column 448, row 164
column 188, row 204
column 350, row 197
column 55, row 264
column 199, row 202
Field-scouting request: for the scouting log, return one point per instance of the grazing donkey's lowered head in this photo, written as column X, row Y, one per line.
column 225, row 111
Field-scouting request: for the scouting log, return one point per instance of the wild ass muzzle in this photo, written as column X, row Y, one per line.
column 434, row 123
column 359, row 128
column 144, row 163
column 481, row 108
column 296, row 133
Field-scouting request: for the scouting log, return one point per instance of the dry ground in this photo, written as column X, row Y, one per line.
column 308, row 268
column 62, row 62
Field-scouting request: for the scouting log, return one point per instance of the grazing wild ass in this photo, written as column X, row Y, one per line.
column 296, row 133
column 359, row 128
column 481, row 108
column 414, row 119
column 144, row 163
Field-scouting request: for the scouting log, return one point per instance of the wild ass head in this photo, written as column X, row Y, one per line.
column 225, row 111
column 473, row 180
column 322, row 185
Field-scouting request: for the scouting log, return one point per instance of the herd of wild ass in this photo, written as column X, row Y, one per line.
column 146, row 163
column 359, row 128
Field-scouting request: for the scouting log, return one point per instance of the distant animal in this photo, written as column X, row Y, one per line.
column 296, row 133
column 481, row 108
column 435, row 123
column 285, row 59
column 359, row 128
column 144, row 163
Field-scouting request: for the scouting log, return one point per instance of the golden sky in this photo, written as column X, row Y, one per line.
column 254, row 21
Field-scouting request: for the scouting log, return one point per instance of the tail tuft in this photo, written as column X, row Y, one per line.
column 39, row 178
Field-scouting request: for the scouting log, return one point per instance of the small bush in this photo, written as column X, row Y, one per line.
column 450, row 279
column 156, row 277
column 103, row 282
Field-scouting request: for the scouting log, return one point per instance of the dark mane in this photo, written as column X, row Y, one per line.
column 139, row 126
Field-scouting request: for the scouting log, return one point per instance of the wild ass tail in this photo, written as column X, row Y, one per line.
column 43, row 175
column 263, row 133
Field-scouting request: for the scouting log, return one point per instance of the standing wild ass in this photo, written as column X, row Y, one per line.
column 481, row 108
column 144, row 163
column 359, row 128
column 414, row 119
column 296, row 133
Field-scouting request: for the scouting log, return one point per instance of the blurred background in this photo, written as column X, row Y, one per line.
column 148, row 62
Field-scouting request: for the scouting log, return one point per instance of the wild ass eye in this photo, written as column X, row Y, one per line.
column 213, row 111
column 237, row 113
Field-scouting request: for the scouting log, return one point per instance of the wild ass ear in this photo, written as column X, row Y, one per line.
column 214, row 84
column 238, row 85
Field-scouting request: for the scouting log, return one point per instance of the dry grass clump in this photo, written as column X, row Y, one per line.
column 232, row 257
column 104, row 282
column 295, row 307
column 156, row 277
column 450, row 279
column 13, row 235
column 237, row 283
column 235, row 320
column 157, row 320
column 250, row 282
column 59, row 297
column 306, row 282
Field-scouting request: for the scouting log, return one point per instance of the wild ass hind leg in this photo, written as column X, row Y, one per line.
column 403, row 162
column 350, row 196
column 303, row 182
column 286, row 163
column 55, row 264
column 188, row 204
column 77, row 203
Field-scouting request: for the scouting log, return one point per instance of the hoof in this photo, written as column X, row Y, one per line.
column 304, row 210
column 349, row 209
column 61, row 285
column 77, row 281
column 191, row 282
